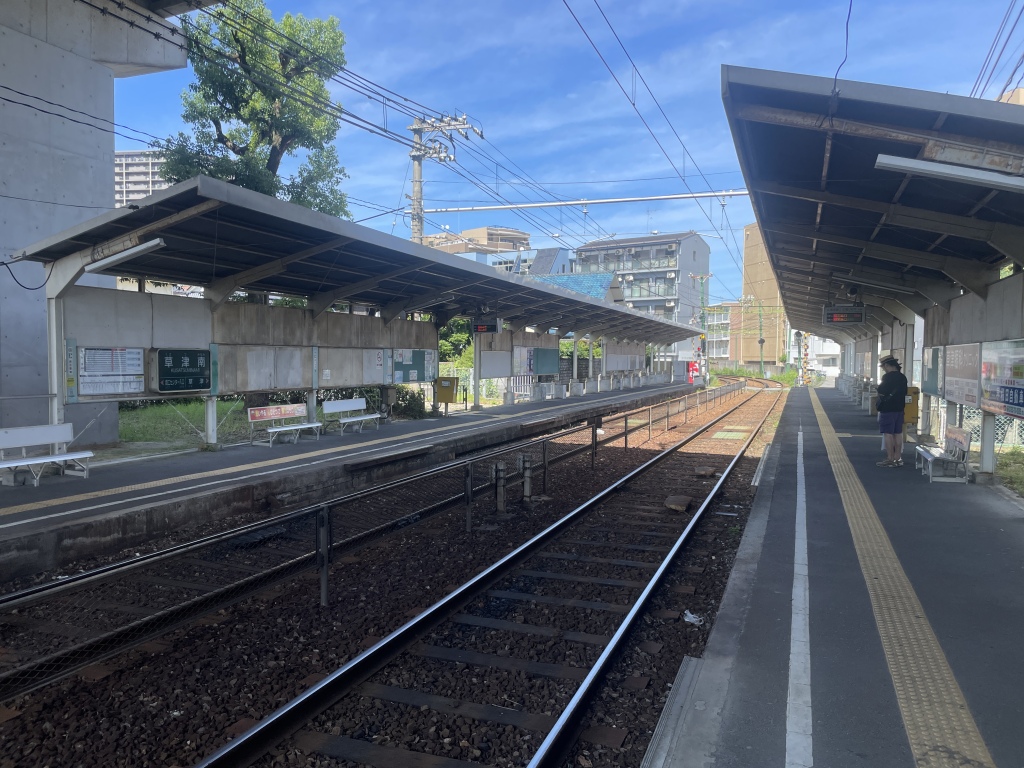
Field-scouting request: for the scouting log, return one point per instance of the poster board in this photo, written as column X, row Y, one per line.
column 111, row 371
column 933, row 361
column 1002, row 377
column 414, row 366
column 962, row 374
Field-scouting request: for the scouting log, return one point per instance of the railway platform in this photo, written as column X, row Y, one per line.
column 123, row 502
column 872, row 618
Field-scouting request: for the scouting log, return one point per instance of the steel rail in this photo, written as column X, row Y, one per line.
column 551, row 752
column 278, row 725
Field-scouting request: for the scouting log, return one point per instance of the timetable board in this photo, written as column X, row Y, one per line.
column 962, row 372
column 111, row 371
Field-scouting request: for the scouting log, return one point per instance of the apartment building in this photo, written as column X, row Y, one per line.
column 479, row 240
column 137, row 175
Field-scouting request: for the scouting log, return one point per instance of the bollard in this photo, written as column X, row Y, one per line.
column 469, row 497
column 499, row 487
column 527, row 479
column 323, row 549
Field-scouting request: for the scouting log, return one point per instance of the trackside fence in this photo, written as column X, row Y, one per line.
column 108, row 609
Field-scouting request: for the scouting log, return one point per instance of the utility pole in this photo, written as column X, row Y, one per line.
column 427, row 145
column 703, row 320
column 760, row 334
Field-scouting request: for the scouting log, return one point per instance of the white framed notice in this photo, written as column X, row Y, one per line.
column 111, row 371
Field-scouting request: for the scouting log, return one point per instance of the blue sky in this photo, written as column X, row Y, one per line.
column 525, row 73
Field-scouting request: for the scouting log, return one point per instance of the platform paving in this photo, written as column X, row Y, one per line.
column 889, row 685
column 118, row 486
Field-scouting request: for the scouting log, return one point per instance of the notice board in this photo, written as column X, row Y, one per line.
column 414, row 366
column 111, row 371
column 1002, row 377
column 962, row 372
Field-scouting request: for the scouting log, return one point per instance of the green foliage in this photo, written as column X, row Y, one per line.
column 257, row 99
column 412, row 403
column 1010, row 470
column 582, row 348
column 453, row 340
column 783, row 358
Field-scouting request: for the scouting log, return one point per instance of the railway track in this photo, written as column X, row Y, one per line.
column 50, row 631
column 501, row 670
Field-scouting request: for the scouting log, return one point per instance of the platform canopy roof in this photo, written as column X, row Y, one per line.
column 206, row 232
column 898, row 198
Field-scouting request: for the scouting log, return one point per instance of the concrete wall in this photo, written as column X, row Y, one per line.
column 259, row 348
column 999, row 317
column 62, row 171
column 936, row 327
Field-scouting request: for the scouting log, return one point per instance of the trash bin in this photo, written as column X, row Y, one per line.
column 912, row 409
column 447, row 388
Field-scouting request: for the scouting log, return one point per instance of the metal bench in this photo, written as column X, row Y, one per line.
column 954, row 454
column 346, row 412
column 50, row 437
column 289, row 419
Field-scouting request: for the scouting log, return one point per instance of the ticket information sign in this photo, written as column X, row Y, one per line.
column 277, row 412
column 843, row 315
column 182, row 370
column 111, row 371
column 962, row 374
column 932, row 369
column 1002, row 377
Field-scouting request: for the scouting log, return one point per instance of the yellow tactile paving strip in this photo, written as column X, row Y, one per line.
column 939, row 725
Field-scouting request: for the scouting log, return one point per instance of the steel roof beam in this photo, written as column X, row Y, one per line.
column 219, row 290
column 391, row 311
column 321, row 302
column 972, row 275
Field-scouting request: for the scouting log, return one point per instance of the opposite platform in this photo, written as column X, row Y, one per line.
column 872, row 619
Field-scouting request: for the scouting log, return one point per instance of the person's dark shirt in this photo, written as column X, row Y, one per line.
column 892, row 392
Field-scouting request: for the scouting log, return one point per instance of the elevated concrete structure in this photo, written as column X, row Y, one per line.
column 58, row 62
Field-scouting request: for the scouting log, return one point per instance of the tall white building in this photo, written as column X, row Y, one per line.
column 137, row 175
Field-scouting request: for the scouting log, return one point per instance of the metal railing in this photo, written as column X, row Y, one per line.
column 108, row 609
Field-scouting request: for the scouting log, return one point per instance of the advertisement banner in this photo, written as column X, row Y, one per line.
column 1002, row 377
column 932, row 371
column 962, row 372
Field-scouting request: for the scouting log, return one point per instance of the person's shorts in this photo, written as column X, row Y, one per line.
column 890, row 422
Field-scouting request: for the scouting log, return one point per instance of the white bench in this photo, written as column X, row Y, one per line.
column 290, row 419
column 51, row 437
column 345, row 412
column 954, row 454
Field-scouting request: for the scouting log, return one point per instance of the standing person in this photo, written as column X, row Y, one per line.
column 892, row 395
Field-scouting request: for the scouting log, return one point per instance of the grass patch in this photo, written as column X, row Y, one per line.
column 182, row 423
column 1010, row 470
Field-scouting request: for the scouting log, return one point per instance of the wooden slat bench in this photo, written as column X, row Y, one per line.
column 346, row 412
column 50, row 437
column 289, row 419
column 954, row 454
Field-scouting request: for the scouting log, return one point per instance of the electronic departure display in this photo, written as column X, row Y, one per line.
column 843, row 315
column 487, row 325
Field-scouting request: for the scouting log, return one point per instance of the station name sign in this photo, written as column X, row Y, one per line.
column 843, row 315
column 181, row 370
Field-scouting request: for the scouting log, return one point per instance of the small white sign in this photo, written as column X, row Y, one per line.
column 327, row 374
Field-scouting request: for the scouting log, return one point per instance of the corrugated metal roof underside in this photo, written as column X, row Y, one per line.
column 832, row 221
column 219, row 235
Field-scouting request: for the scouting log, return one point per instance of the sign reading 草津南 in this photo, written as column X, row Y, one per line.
column 180, row 370
column 962, row 372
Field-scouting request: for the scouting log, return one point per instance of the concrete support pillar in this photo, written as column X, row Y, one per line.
column 988, row 443
column 311, row 405
column 211, row 420
column 873, row 372
column 590, row 359
column 575, row 359
column 951, row 418
column 55, row 354
column 926, row 414
column 476, row 373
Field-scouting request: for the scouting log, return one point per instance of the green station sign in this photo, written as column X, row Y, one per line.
column 183, row 370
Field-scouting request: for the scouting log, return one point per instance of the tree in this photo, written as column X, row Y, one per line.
column 453, row 339
column 258, row 98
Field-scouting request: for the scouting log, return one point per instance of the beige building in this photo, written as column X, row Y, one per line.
column 480, row 240
column 137, row 175
column 734, row 328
